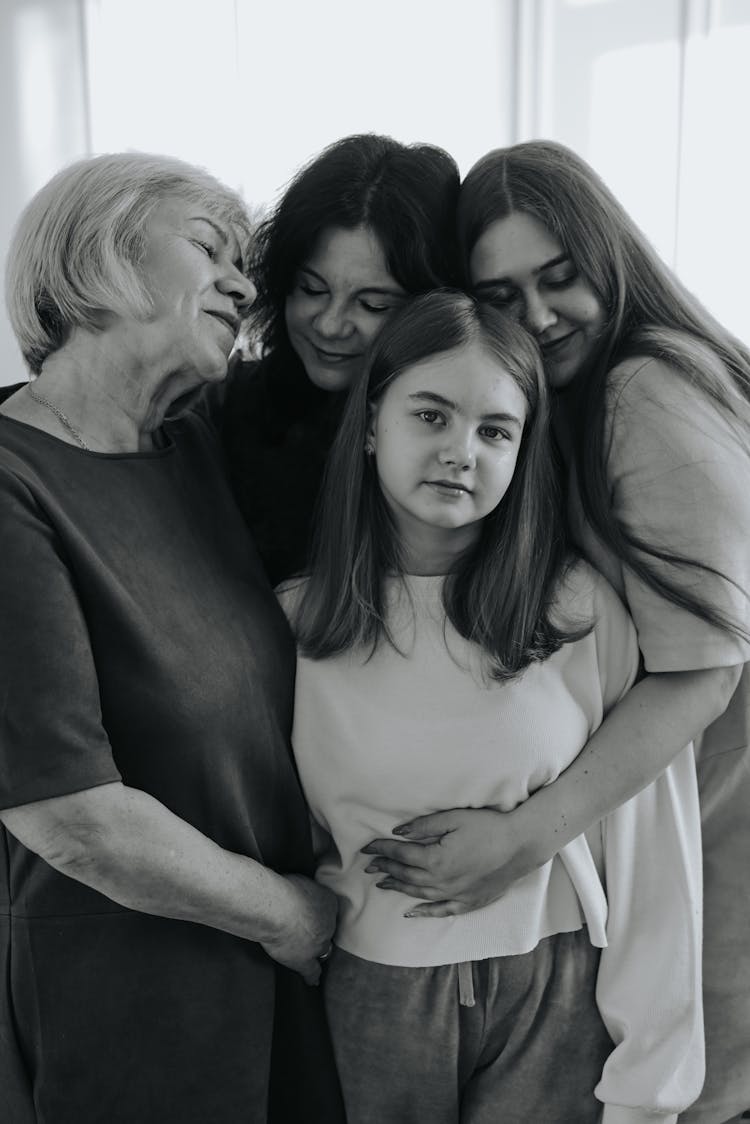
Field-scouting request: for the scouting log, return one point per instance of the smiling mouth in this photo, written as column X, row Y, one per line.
column 335, row 356
column 558, row 344
column 229, row 321
column 448, row 487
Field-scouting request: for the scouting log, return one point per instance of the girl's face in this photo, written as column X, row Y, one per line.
column 342, row 295
column 518, row 264
column 446, row 435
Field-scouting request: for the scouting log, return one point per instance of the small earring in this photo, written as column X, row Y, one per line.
column 369, row 446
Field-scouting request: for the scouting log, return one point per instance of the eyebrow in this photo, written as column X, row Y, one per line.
column 239, row 262
column 561, row 259
column 381, row 290
column 222, row 234
column 440, row 400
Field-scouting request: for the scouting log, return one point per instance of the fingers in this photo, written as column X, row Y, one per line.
column 413, row 891
column 438, row 909
column 432, row 826
column 400, row 871
column 409, row 854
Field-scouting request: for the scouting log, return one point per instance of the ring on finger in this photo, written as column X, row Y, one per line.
column 324, row 956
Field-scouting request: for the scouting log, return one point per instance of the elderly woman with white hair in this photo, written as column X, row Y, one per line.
column 159, row 920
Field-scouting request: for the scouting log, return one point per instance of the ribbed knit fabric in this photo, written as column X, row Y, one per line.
column 408, row 732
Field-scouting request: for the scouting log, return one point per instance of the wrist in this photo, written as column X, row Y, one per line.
column 270, row 908
column 538, row 836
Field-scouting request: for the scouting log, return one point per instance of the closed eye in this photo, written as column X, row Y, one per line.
column 311, row 291
column 376, row 309
column 560, row 282
column 500, row 295
column 206, row 247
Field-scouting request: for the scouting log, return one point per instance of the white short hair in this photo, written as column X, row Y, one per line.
column 77, row 248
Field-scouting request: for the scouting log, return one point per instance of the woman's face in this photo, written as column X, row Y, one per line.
column 192, row 270
column 517, row 264
column 342, row 295
column 446, row 435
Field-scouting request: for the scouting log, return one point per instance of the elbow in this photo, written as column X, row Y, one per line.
column 79, row 850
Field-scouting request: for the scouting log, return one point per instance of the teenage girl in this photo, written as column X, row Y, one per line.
column 451, row 652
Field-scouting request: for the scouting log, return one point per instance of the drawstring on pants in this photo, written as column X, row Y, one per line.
column 465, row 984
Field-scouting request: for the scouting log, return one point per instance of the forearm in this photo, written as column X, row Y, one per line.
column 639, row 738
column 126, row 845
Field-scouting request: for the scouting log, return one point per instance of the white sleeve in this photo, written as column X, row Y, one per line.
column 649, row 981
column 616, row 644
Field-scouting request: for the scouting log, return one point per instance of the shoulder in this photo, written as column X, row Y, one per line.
column 576, row 585
column 665, row 414
column 671, row 370
column 643, row 383
column 585, row 597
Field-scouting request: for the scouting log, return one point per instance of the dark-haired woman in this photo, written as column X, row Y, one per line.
column 653, row 414
column 368, row 223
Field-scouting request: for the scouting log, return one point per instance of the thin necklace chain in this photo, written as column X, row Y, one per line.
column 58, row 414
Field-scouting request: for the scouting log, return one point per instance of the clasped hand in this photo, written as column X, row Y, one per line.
column 455, row 861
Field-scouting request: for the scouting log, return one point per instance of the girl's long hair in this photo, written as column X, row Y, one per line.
column 649, row 313
column 500, row 593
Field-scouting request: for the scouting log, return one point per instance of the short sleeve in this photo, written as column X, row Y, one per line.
column 52, row 741
column 680, row 479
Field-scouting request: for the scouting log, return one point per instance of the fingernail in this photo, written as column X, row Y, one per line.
column 365, row 850
column 371, row 869
column 410, row 914
column 400, row 831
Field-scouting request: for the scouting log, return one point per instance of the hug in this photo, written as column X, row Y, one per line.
column 497, row 457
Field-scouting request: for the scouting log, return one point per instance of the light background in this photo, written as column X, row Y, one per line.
column 654, row 93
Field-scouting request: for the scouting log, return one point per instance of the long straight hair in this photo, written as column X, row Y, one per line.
column 648, row 313
column 500, row 592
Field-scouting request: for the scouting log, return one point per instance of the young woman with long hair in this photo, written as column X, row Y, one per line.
column 652, row 413
column 451, row 649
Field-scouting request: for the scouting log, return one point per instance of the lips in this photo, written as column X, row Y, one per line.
column 232, row 322
column 551, row 346
column 334, row 356
column 449, row 487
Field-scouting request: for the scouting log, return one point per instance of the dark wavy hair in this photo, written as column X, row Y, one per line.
column 405, row 194
column 648, row 313
column 501, row 591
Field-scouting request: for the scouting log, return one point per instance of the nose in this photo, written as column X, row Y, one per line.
column 332, row 321
column 537, row 314
column 240, row 289
column 458, row 451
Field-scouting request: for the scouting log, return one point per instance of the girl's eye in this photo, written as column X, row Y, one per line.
column 430, row 417
column 310, row 290
column 494, row 434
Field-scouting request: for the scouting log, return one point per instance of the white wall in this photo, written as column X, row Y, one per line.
column 655, row 93
column 42, row 116
column 652, row 92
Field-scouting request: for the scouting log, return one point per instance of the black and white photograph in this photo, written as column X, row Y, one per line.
column 374, row 562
